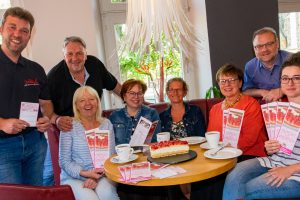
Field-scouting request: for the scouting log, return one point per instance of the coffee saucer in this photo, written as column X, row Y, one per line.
column 118, row 161
column 206, row 146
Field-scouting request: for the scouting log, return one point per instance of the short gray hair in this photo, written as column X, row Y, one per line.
column 264, row 30
column 73, row 39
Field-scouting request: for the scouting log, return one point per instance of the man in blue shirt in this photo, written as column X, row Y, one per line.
column 261, row 76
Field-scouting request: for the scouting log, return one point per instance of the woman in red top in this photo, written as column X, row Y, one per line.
column 253, row 132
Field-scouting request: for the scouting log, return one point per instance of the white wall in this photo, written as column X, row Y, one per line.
column 57, row 19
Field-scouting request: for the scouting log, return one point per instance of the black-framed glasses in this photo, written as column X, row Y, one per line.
column 229, row 81
column 135, row 94
column 294, row 79
column 267, row 45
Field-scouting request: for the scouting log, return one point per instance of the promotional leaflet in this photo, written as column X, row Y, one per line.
column 29, row 113
column 282, row 108
column 225, row 116
column 265, row 112
column 143, row 171
column 272, row 108
column 143, row 132
column 233, row 127
column 140, row 172
column 290, row 128
column 98, row 142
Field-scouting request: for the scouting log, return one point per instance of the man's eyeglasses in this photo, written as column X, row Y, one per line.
column 172, row 91
column 135, row 94
column 267, row 45
column 294, row 79
column 229, row 81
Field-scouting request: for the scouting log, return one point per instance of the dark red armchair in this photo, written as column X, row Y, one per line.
column 28, row 192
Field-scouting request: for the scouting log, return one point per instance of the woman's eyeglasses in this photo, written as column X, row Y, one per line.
column 135, row 94
column 229, row 81
column 294, row 79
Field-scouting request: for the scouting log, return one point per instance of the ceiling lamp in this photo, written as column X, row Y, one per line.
column 151, row 20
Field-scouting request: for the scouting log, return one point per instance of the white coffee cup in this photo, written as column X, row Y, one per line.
column 124, row 151
column 212, row 138
column 163, row 136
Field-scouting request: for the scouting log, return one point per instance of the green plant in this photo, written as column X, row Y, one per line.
column 154, row 66
column 213, row 90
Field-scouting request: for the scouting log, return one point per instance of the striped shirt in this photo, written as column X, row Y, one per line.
column 280, row 159
column 74, row 153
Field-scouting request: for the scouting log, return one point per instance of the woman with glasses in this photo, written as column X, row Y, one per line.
column 181, row 119
column 125, row 120
column 252, row 133
column 278, row 175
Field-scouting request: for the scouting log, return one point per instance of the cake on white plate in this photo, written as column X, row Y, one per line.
column 168, row 148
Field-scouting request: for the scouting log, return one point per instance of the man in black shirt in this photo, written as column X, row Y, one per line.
column 77, row 69
column 22, row 81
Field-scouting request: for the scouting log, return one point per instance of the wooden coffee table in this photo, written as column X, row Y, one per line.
column 198, row 169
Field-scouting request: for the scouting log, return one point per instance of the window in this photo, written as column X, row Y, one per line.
column 289, row 25
column 150, row 66
column 289, row 31
column 131, row 65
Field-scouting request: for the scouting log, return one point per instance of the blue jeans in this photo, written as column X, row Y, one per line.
column 246, row 181
column 22, row 158
column 48, row 177
column 105, row 190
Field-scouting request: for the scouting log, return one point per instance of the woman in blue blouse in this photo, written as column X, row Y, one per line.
column 181, row 119
column 124, row 120
column 75, row 160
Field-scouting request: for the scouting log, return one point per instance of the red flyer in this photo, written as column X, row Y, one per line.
column 98, row 142
column 233, row 127
column 282, row 108
column 290, row 128
column 265, row 112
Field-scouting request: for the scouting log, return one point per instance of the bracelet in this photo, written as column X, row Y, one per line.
column 57, row 120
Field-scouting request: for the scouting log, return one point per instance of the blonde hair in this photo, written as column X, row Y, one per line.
column 78, row 94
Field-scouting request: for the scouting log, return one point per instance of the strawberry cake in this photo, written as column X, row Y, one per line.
column 168, row 148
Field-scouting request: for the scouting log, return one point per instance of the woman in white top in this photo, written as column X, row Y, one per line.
column 278, row 175
column 77, row 169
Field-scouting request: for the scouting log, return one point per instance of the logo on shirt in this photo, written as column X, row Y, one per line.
column 31, row 82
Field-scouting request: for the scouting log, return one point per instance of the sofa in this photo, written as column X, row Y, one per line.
column 53, row 134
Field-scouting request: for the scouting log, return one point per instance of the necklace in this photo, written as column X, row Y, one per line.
column 231, row 104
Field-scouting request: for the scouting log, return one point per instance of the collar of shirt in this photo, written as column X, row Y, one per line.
column 276, row 64
column 5, row 58
column 86, row 76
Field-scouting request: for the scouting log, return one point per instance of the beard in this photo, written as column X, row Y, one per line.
column 15, row 49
